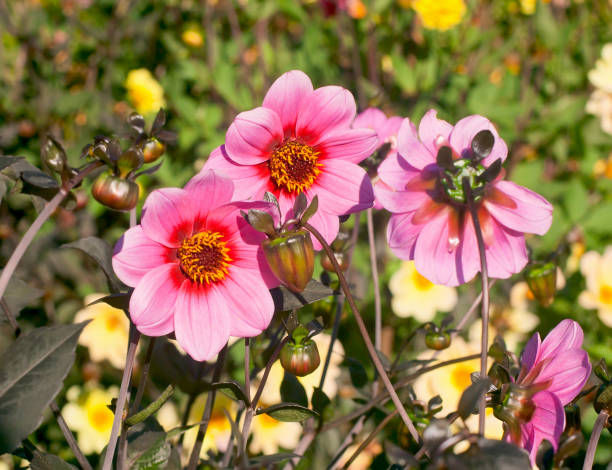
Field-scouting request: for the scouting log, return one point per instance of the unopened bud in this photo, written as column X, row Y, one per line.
column 115, row 192
column 300, row 356
column 291, row 258
column 542, row 281
column 437, row 340
column 341, row 259
column 153, row 149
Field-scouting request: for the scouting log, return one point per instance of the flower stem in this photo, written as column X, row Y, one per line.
column 121, row 401
column 600, row 422
column 42, row 217
column 484, row 277
column 377, row 303
column 194, row 458
column 83, row 462
column 366, row 338
column 143, row 377
column 247, row 368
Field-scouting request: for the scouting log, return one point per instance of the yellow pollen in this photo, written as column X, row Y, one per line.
column 420, row 282
column 204, row 257
column 605, row 294
column 294, row 166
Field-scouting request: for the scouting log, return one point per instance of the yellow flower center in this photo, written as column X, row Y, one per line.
column 267, row 421
column 100, row 417
column 294, row 166
column 420, row 282
column 605, row 294
column 461, row 376
column 112, row 321
column 204, row 258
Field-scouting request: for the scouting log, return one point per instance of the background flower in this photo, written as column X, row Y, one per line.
column 145, row 93
column 600, row 102
column 439, row 14
column 269, row 434
column 416, row 296
column 597, row 270
column 87, row 414
column 106, row 335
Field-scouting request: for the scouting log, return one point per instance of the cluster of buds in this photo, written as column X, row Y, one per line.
column 117, row 188
column 462, row 178
column 288, row 248
column 54, row 158
column 300, row 354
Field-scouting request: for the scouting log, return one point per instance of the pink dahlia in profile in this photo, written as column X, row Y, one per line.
column 300, row 140
column 427, row 185
column 552, row 374
column 196, row 267
column 386, row 130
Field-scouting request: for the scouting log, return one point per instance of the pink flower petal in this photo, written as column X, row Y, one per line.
column 567, row 371
column 250, row 181
column 507, row 255
column 402, row 235
column 327, row 224
column 433, row 130
column 400, row 201
column 390, row 129
column 250, row 303
column 202, row 320
column 434, row 259
column 532, row 214
column 530, row 353
column 153, row 300
column 352, row 145
column 328, row 109
column 371, row 118
column 136, row 255
column 566, row 335
column 166, row 217
column 286, row 96
column 253, row 135
column 465, row 130
column 396, row 171
column 343, row 188
column 548, row 421
column 413, row 150
column 206, row 191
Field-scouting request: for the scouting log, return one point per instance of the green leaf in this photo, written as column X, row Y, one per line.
column 359, row 377
column 596, row 220
column 39, row 184
column 101, row 252
column 19, row 295
column 8, row 160
column 147, row 446
column 152, row 408
column 261, row 221
column 435, row 434
column 120, row 300
column 31, row 373
column 293, row 391
column 168, row 365
column 289, row 412
column 576, row 200
column 44, row 461
column 471, row 396
column 320, row 400
column 490, row 454
column 231, row 389
column 310, row 210
column 285, row 300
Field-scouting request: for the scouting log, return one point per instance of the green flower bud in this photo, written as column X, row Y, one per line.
column 116, row 193
column 153, row 149
column 301, row 357
column 542, row 281
column 437, row 340
column 291, row 258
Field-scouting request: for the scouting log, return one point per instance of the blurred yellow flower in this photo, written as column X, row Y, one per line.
column 414, row 295
column 439, row 14
column 528, row 7
column 145, row 93
column 269, row 434
column 364, row 459
column 597, row 270
column 601, row 75
column 600, row 105
column 87, row 414
column 600, row 102
column 271, row 391
column 193, row 38
column 577, row 250
column 106, row 336
column 449, row 382
column 219, row 428
column 167, row 416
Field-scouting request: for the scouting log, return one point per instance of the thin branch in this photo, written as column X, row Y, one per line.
column 346, row 443
column 72, row 443
column 144, row 375
column 600, row 422
column 377, row 303
column 369, row 439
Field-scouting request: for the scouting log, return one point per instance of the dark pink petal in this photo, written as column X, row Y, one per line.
column 250, row 181
column 548, row 421
column 153, row 300
column 328, row 109
column 166, row 217
column 465, row 130
column 567, row 371
column 433, row 131
column 396, row 171
column 507, row 255
column 352, row 145
column 530, row 353
column 253, row 135
column 433, row 258
column 327, row 224
column 207, row 190
column 136, row 255
column 249, row 302
column 202, row 320
column 402, row 235
column 400, row 201
column 286, row 96
column 412, row 149
column 343, row 188
column 532, row 213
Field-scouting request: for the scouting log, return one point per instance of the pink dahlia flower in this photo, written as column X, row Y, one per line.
column 386, row 130
column 552, row 373
column 300, row 140
column 430, row 221
column 196, row 267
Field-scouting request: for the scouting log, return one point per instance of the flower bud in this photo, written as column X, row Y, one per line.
column 542, row 281
column 437, row 340
column 153, row 149
column 53, row 155
column 116, row 193
column 301, row 357
column 603, row 399
column 341, row 258
column 291, row 258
